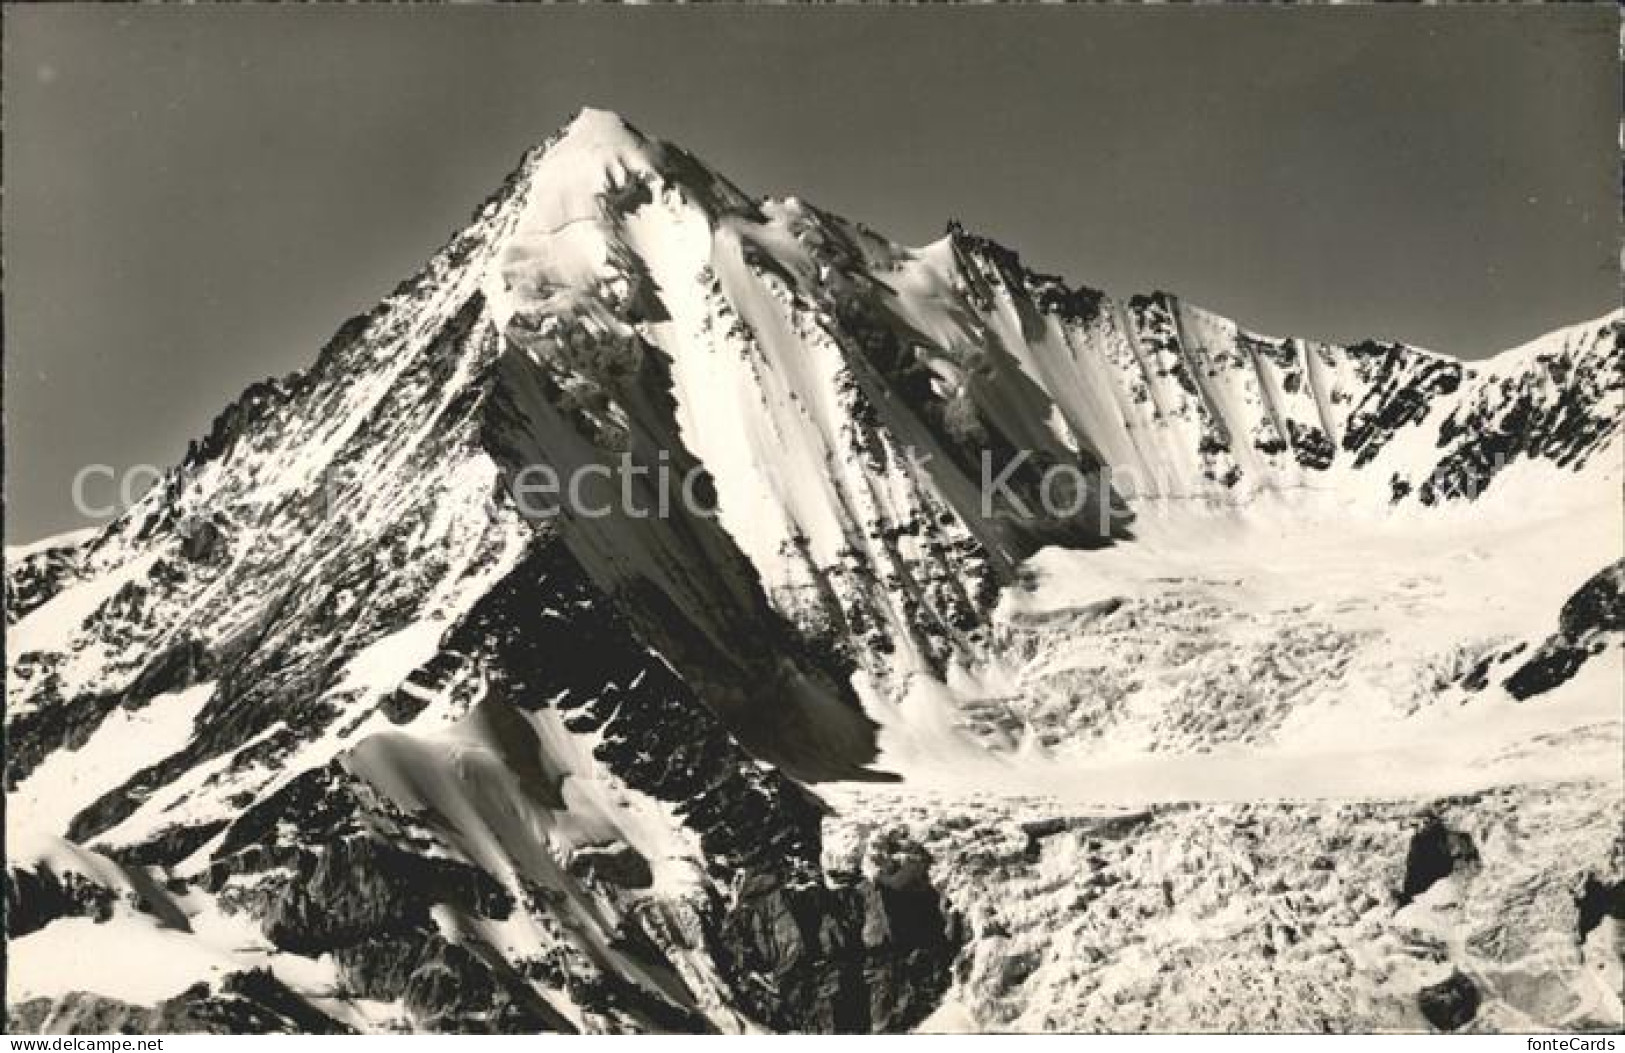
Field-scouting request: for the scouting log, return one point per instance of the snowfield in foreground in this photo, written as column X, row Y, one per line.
column 1241, row 841
column 1289, row 652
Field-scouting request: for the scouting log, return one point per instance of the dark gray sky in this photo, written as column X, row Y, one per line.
column 196, row 197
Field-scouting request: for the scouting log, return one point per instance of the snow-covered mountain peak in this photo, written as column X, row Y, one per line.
column 597, row 148
column 595, row 127
column 1589, row 338
column 571, row 198
column 600, row 153
column 339, row 695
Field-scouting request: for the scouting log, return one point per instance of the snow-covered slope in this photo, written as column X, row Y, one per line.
column 370, row 743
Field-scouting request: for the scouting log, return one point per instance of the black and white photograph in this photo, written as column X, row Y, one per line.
column 848, row 519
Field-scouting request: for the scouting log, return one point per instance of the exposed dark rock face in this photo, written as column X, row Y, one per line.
column 1592, row 618
column 71, row 721
column 1599, row 899
column 336, row 869
column 204, row 541
column 1436, row 852
column 447, row 986
column 850, row 959
column 277, row 640
column 35, row 898
column 1560, row 408
column 603, row 681
column 32, row 581
column 618, row 865
column 331, row 866
column 1311, row 445
column 1401, row 385
column 1049, row 292
column 1158, row 328
column 867, row 952
column 252, row 1002
column 360, row 887
column 760, row 831
column 1449, row 1004
column 818, row 729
